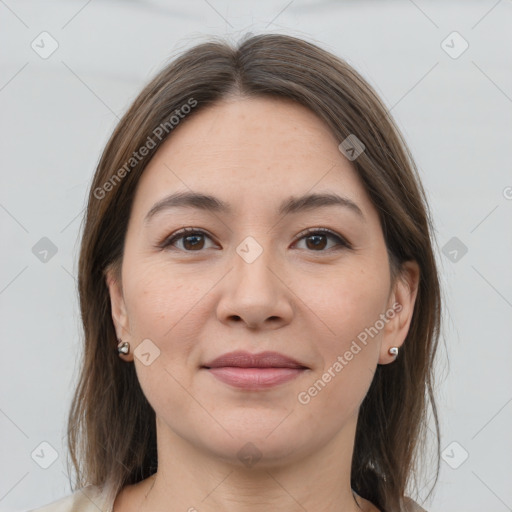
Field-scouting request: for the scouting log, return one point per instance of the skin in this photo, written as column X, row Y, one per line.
column 308, row 303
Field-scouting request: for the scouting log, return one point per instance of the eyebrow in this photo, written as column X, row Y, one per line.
column 291, row 205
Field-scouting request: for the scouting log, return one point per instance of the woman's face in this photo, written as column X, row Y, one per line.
column 249, row 278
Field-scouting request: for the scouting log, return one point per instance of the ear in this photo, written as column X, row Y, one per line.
column 402, row 300
column 118, row 307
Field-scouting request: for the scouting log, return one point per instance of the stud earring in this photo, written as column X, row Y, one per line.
column 393, row 351
column 123, row 347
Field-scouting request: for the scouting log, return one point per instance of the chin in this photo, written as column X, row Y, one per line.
column 262, row 445
column 251, row 453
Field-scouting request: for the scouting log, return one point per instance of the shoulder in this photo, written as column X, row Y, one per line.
column 87, row 499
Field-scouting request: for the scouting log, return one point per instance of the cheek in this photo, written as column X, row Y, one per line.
column 163, row 308
column 351, row 303
column 159, row 300
column 350, row 309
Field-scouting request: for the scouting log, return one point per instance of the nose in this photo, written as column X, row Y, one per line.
column 255, row 294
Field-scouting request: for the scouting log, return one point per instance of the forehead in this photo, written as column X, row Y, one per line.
column 254, row 127
column 257, row 150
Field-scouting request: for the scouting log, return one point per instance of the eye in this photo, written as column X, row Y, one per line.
column 315, row 239
column 191, row 238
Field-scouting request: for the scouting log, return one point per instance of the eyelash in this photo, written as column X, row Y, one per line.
column 182, row 233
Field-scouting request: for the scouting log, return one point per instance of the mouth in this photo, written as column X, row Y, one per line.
column 254, row 371
column 254, row 378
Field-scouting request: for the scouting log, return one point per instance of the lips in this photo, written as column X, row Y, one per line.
column 254, row 371
column 241, row 359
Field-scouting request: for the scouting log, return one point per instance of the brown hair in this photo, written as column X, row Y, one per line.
column 111, row 429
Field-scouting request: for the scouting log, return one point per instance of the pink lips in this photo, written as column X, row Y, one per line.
column 254, row 371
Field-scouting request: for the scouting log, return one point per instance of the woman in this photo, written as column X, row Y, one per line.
column 259, row 294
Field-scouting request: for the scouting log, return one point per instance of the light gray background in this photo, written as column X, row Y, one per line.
column 57, row 113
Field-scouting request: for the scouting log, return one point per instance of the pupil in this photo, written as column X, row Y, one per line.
column 318, row 242
column 193, row 244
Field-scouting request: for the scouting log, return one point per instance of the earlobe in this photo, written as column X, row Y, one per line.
column 117, row 303
column 402, row 302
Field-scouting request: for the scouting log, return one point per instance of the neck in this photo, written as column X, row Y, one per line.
column 192, row 479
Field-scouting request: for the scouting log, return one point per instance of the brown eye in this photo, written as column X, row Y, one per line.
column 317, row 240
column 193, row 240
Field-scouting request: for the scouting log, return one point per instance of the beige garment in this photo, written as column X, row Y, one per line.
column 412, row 506
column 87, row 499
